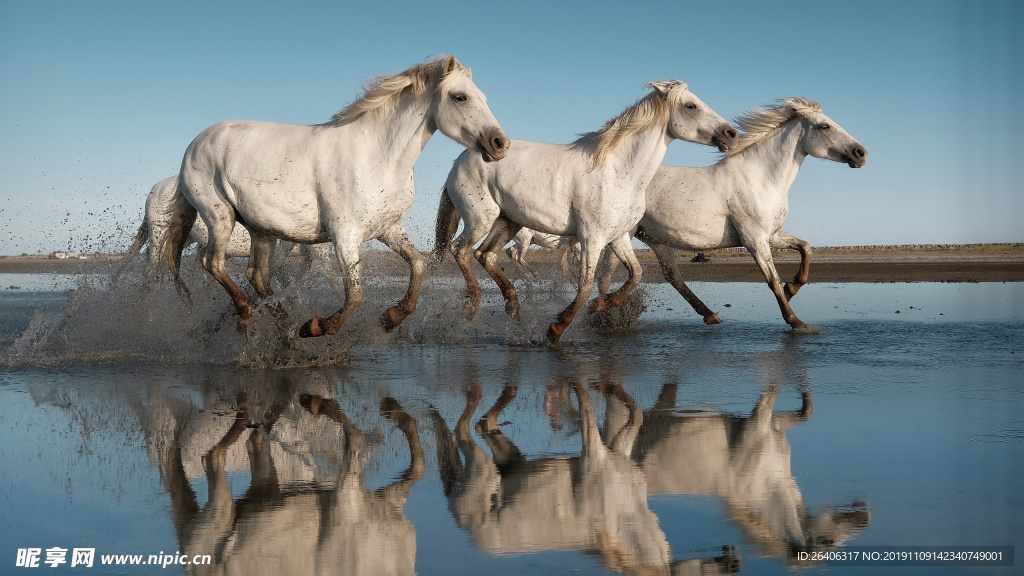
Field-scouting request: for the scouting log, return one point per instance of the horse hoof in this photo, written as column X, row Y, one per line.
column 470, row 309
column 243, row 324
column 392, row 317
column 390, row 408
column 802, row 328
column 312, row 329
column 512, row 309
column 712, row 319
column 555, row 333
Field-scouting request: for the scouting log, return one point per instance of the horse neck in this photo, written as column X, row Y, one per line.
column 402, row 133
column 638, row 157
column 776, row 159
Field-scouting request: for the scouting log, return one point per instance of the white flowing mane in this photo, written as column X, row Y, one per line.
column 383, row 93
column 651, row 110
column 764, row 121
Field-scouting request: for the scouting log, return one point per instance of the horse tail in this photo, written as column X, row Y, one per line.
column 140, row 238
column 183, row 216
column 445, row 226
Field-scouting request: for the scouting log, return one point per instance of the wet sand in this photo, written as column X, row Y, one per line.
column 967, row 263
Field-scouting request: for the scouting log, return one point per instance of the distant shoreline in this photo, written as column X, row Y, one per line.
column 904, row 263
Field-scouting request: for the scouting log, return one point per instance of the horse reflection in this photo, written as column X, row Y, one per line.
column 595, row 502
column 283, row 526
column 744, row 461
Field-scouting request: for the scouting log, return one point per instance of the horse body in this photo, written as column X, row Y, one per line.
column 591, row 189
column 743, row 200
column 347, row 181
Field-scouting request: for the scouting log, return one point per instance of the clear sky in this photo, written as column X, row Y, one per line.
column 98, row 100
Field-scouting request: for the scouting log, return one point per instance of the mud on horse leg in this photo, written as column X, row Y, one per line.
column 398, row 240
column 785, row 240
column 501, row 232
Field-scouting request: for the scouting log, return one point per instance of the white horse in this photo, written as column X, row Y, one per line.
column 527, row 238
column 349, row 180
column 591, row 189
column 158, row 215
column 743, row 200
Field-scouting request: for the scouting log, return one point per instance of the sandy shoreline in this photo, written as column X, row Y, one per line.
column 972, row 263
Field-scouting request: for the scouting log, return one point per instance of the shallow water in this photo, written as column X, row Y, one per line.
column 130, row 427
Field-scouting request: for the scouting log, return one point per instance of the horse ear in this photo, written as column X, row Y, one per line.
column 451, row 65
column 664, row 87
column 659, row 87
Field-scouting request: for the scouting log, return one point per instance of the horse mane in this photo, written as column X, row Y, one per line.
column 382, row 94
column 762, row 122
column 651, row 110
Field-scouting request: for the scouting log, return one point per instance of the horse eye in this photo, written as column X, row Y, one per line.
column 691, row 106
column 459, row 97
column 823, row 127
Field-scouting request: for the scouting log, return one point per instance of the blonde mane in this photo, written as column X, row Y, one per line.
column 651, row 110
column 383, row 93
column 764, row 121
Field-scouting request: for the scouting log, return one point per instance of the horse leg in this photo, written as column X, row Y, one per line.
column 519, row 257
column 397, row 492
column 588, row 262
column 501, row 232
column 463, row 250
column 667, row 259
column 214, row 262
column 762, row 253
column 589, row 430
column 348, row 257
column 398, row 240
column 318, row 405
column 261, row 253
column 605, row 270
column 621, row 428
column 563, row 258
column 783, row 239
column 520, row 248
column 624, row 252
column 489, row 422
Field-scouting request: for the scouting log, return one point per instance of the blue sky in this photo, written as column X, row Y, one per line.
column 98, row 100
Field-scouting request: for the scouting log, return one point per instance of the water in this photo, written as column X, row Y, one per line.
column 134, row 425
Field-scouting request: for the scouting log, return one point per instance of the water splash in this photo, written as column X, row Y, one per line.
column 142, row 319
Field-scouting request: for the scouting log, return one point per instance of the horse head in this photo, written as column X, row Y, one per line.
column 823, row 138
column 692, row 120
column 460, row 112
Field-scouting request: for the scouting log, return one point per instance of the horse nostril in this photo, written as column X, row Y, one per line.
column 730, row 133
column 498, row 143
column 859, row 152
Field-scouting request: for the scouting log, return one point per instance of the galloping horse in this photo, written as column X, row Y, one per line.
column 592, row 189
column 743, row 200
column 349, row 180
